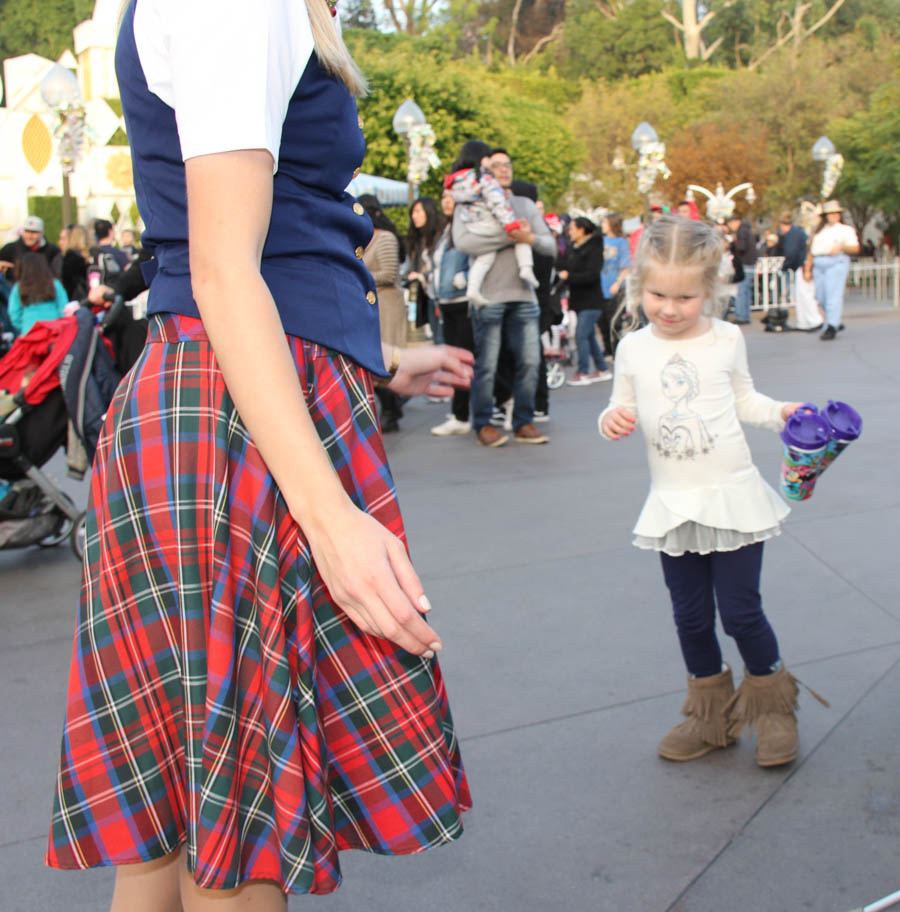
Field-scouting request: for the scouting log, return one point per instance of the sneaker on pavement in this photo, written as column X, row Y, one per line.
column 528, row 433
column 451, row 426
column 540, row 417
column 435, row 400
column 599, row 376
column 579, row 379
column 490, row 437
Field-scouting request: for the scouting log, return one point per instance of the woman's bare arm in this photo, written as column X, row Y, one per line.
column 365, row 567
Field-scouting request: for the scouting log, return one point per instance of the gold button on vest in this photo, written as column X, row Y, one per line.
column 359, row 253
column 358, row 209
column 370, row 297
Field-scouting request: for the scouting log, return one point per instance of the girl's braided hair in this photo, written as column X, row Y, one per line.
column 675, row 241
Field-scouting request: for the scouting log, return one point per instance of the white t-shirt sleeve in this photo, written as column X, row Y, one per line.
column 228, row 69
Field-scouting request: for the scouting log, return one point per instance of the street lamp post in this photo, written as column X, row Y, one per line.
column 823, row 151
column 720, row 205
column 59, row 89
column 409, row 116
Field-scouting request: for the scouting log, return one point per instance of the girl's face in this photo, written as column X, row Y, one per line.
column 447, row 203
column 418, row 215
column 604, row 227
column 833, row 217
column 673, row 298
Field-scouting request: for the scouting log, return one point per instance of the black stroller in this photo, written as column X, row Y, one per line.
column 63, row 378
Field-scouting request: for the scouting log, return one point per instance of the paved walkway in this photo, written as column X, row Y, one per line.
column 563, row 671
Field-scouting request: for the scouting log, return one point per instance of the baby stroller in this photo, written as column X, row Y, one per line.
column 559, row 352
column 60, row 379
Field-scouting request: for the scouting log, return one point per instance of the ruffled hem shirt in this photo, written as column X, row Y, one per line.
column 705, row 492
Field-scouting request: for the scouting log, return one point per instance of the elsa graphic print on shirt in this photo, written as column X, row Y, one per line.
column 680, row 432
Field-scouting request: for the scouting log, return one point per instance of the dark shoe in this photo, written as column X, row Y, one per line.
column 528, row 433
column 389, row 425
column 830, row 333
column 489, row 436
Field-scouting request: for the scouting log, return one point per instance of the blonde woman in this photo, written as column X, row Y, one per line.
column 75, row 263
column 254, row 684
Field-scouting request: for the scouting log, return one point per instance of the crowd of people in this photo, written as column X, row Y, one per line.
column 486, row 268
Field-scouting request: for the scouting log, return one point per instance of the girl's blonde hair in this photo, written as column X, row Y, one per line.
column 675, row 241
column 330, row 47
column 77, row 239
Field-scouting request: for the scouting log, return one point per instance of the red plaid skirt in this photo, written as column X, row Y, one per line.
column 218, row 698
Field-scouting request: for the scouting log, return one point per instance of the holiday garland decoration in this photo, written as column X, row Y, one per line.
column 834, row 164
column 422, row 156
column 651, row 163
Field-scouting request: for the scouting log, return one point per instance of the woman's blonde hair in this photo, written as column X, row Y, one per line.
column 675, row 241
column 330, row 47
column 77, row 239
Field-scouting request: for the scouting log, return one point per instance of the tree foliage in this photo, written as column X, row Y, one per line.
column 606, row 42
column 43, row 28
column 462, row 100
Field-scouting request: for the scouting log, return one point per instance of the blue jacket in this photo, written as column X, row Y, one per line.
column 453, row 261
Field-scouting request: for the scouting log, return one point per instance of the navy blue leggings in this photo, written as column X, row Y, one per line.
column 729, row 580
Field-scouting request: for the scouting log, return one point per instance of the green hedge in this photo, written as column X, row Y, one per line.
column 49, row 208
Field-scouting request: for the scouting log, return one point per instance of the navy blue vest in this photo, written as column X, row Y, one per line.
column 312, row 259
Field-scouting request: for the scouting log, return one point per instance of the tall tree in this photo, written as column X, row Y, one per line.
column 43, row 27
column 602, row 40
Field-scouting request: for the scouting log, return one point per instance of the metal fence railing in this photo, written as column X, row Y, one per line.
column 878, row 282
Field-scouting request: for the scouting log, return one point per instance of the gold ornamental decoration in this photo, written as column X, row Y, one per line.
column 37, row 144
column 118, row 170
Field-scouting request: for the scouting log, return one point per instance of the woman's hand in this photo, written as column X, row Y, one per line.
column 788, row 409
column 415, row 277
column 432, row 369
column 838, row 248
column 563, row 274
column 369, row 576
column 613, row 289
column 618, row 422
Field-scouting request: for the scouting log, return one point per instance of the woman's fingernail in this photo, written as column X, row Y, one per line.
column 428, row 654
column 424, row 604
column 436, row 646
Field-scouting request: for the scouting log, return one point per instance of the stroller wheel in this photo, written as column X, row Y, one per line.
column 76, row 536
column 556, row 375
column 63, row 529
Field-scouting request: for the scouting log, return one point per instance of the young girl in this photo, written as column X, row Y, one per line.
column 685, row 376
column 36, row 295
column 483, row 204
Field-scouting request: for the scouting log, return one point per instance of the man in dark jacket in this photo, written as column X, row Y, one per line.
column 744, row 248
column 31, row 241
column 792, row 246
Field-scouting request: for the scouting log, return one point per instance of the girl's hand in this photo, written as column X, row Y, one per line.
column 415, row 277
column 369, row 575
column 618, row 422
column 564, row 274
column 788, row 409
column 433, row 369
column 614, row 289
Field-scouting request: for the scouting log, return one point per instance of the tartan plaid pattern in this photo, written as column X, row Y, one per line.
column 217, row 697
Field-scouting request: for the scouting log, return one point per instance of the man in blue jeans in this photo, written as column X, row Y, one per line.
column 511, row 314
column 744, row 248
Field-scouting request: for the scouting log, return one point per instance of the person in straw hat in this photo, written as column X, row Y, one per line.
column 829, row 262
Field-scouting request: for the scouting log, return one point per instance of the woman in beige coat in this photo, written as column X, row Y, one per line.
column 383, row 256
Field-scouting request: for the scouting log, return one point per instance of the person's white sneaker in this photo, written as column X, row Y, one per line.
column 600, row 376
column 540, row 417
column 451, row 426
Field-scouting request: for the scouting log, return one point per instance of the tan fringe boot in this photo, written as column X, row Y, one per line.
column 770, row 703
column 706, row 726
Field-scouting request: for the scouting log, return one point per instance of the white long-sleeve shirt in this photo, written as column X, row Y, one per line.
column 690, row 397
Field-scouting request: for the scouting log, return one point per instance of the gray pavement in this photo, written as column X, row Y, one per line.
column 563, row 671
